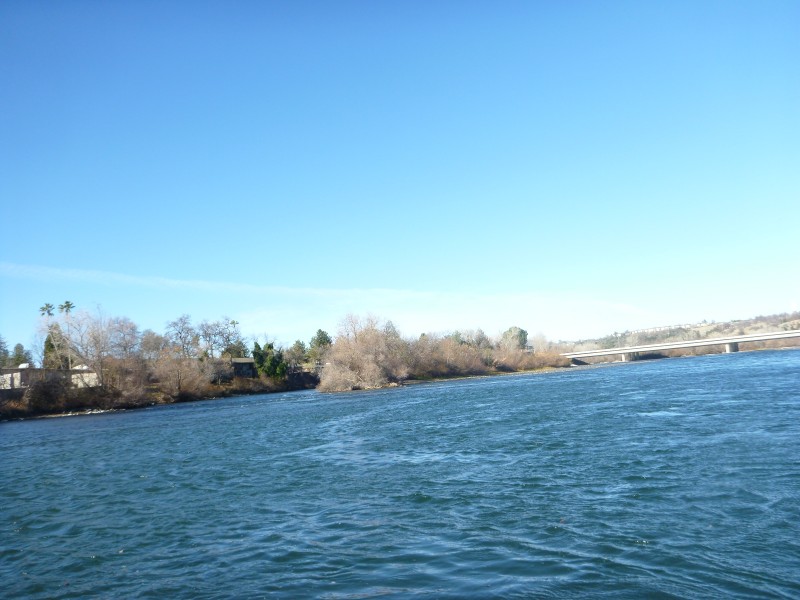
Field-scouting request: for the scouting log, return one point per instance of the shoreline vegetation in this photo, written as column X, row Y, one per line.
column 131, row 369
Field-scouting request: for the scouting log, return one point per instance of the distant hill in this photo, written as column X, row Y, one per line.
column 699, row 331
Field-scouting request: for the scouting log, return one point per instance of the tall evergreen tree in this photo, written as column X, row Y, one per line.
column 258, row 356
column 319, row 345
column 21, row 356
column 3, row 352
column 321, row 339
column 269, row 361
column 54, row 356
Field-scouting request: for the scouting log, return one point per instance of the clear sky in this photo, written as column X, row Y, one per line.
column 574, row 168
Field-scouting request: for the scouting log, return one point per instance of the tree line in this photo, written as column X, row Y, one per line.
column 137, row 367
column 191, row 360
column 369, row 353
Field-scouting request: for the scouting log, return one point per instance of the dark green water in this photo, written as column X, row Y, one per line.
column 676, row 478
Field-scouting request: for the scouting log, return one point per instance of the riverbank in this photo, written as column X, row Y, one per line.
column 50, row 399
column 28, row 405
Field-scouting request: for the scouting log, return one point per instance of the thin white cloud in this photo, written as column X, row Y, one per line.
column 43, row 273
column 287, row 313
column 291, row 312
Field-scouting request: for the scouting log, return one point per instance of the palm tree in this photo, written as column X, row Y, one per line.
column 66, row 308
column 46, row 310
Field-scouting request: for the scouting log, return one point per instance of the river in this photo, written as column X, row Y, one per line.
column 676, row 478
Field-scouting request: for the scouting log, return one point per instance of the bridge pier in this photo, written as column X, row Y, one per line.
column 731, row 347
column 629, row 356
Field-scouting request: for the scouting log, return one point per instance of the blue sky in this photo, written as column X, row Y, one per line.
column 573, row 168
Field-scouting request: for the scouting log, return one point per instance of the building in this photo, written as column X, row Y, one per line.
column 24, row 376
column 244, row 367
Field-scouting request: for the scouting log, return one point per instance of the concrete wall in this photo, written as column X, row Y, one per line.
column 12, row 379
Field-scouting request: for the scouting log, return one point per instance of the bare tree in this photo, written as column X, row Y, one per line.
column 233, row 344
column 90, row 343
column 540, row 343
column 125, row 339
column 211, row 334
column 514, row 338
column 183, row 335
column 177, row 375
column 152, row 345
column 222, row 338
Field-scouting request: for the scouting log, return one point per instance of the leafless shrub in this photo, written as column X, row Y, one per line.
column 528, row 361
column 366, row 354
column 179, row 377
column 337, row 377
column 446, row 357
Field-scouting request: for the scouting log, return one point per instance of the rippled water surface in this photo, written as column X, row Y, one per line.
column 675, row 478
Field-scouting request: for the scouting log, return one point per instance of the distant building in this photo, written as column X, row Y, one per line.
column 82, row 376
column 244, row 367
column 23, row 376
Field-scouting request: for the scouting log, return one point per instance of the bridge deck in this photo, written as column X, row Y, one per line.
column 755, row 337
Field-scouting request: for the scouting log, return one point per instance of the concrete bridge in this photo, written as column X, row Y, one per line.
column 731, row 344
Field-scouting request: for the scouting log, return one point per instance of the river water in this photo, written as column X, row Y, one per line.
column 665, row 479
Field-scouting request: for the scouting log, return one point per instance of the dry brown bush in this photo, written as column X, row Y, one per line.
column 518, row 360
column 445, row 357
column 337, row 378
column 367, row 354
column 179, row 377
